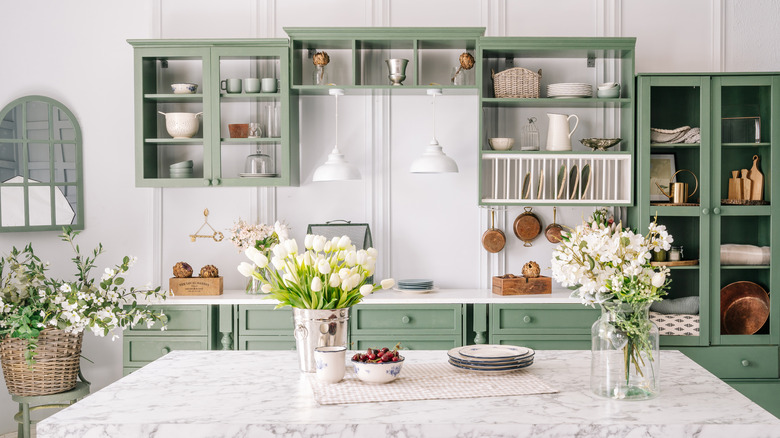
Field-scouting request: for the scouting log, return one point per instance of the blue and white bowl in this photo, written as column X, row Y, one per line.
column 382, row 372
column 184, row 88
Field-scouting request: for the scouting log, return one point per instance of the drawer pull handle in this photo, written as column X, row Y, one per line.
column 745, row 363
column 405, row 319
column 526, row 319
column 165, row 350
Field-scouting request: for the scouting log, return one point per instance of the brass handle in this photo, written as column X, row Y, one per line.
column 745, row 363
column 694, row 178
column 526, row 319
column 405, row 319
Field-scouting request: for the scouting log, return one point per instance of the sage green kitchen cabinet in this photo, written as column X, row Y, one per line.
column 261, row 327
column 189, row 327
column 415, row 326
column 522, row 177
column 218, row 158
column 542, row 326
column 358, row 54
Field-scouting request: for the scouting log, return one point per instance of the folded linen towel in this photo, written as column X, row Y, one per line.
column 683, row 134
column 683, row 306
column 734, row 254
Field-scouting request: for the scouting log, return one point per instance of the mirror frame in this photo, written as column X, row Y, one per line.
column 78, row 184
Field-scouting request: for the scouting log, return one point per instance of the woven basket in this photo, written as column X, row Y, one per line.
column 516, row 82
column 56, row 363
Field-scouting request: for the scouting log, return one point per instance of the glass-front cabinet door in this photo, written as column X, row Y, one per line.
column 674, row 145
column 744, row 132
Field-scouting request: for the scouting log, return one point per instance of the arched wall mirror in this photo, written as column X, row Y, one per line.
column 41, row 177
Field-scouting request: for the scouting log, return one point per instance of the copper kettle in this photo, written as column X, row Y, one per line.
column 678, row 191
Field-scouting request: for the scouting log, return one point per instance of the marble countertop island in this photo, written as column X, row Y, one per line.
column 262, row 394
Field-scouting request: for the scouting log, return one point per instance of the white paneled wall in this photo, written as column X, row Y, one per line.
column 424, row 225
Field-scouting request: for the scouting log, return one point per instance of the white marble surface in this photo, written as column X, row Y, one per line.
column 197, row 394
column 455, row 296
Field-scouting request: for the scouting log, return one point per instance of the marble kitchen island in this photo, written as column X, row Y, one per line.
column 262, row 394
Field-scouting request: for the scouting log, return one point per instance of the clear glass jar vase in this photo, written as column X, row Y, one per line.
column 625, row 361
column 320, row 75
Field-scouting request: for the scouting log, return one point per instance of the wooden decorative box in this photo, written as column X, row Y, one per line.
column 196, row 286
column 513, row 285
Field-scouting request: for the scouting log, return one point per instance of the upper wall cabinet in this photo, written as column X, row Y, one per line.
column 214, row 113
column 401, row 59
column 41, row 178
column 566, row 97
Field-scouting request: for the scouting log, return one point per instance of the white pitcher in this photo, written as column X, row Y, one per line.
column 558, row 134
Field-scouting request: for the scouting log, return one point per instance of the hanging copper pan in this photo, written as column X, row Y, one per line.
column 493, row 240
column 553, row 231
column 527, row 227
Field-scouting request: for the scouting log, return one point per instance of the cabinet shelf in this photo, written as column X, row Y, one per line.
column 250, row 140
column 174, row 97
column 242, row 97
column 577, row 102
column 174, row 140
column 745, row 266
column 359, row 90
column 675, row 145
column 740, row 145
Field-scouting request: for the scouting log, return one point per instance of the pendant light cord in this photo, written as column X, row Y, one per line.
column 434, row 116
column 337, row 121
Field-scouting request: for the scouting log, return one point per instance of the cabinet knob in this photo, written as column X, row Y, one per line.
column 165, row 350
column 526, row 319
column 716, row 210
column 216, row 181
column 705, row 211
column 206, row 182
column 745, row 363
column 405, row 319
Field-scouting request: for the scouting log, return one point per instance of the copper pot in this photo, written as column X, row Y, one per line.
column 527, row 227
column 553, row 231
column 744, row 308
column 493, row 240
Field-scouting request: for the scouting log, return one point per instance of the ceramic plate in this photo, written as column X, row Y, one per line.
column 493, row 351
column 540, row 187
column 487, row 372
column 585, row 179
column 574, row 179
column 527, row 186
column 257, row 175
column 493, row 366
column 416, row 291
column 561, row 181
column 458, row 358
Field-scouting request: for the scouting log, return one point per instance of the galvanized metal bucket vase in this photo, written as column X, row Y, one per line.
column 318, row 328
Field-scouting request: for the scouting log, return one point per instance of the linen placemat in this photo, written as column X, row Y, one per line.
column 428, row 381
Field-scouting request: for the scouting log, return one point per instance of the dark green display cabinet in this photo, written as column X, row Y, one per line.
column 219, row 155
column 706, row 127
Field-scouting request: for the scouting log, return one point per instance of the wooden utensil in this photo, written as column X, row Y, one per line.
column 527, row 226
column 757, row 182
column 746, row 185
column 493, row 240
column 735, row 188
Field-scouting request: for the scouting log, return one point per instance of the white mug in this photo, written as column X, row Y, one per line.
column 252, row 85
column 268, row 85
column 330, row 363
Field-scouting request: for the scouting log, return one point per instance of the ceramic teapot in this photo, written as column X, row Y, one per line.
column 558, row 134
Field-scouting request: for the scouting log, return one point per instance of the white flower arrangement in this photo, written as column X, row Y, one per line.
column 260, row 236
column 328, row 274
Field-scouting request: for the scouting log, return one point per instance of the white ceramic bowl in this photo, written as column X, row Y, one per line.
column 609, row 93
column 608, row 85
column 501, row 143
column 184, row 88
column 382, row 372
column 181, row 125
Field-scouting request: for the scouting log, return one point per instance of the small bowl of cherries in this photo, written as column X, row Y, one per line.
column 378, row 365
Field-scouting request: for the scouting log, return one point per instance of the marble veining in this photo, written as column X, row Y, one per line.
column 262, row 393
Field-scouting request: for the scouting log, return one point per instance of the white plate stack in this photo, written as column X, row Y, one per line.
column 491, row 359
column 569, row 90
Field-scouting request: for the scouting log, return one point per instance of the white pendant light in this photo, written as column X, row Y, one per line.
column 433, row 160
column 336, row 168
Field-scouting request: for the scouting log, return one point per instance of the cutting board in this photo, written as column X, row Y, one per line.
column 735, row 186
column 756, row 182
column 747, row 184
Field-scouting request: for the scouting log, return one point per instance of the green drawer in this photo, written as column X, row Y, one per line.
column 129, row 370
column 431, row 319
column 264, row 320
column 407, row 342
column 541, row 319
column 762, row 392
column 749, row 362
column 140, row 350
column 266, row 343
column 545, row 342
column 183, row 320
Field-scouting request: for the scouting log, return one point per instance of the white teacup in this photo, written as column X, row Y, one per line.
column 252, row 85
column 330, row 363
column 269, row 85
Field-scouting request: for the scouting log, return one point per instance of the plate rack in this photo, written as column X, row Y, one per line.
column 565, row 179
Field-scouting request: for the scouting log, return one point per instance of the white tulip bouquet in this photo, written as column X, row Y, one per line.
column 328, row 274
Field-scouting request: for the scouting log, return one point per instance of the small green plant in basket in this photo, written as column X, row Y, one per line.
column 31, row 302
